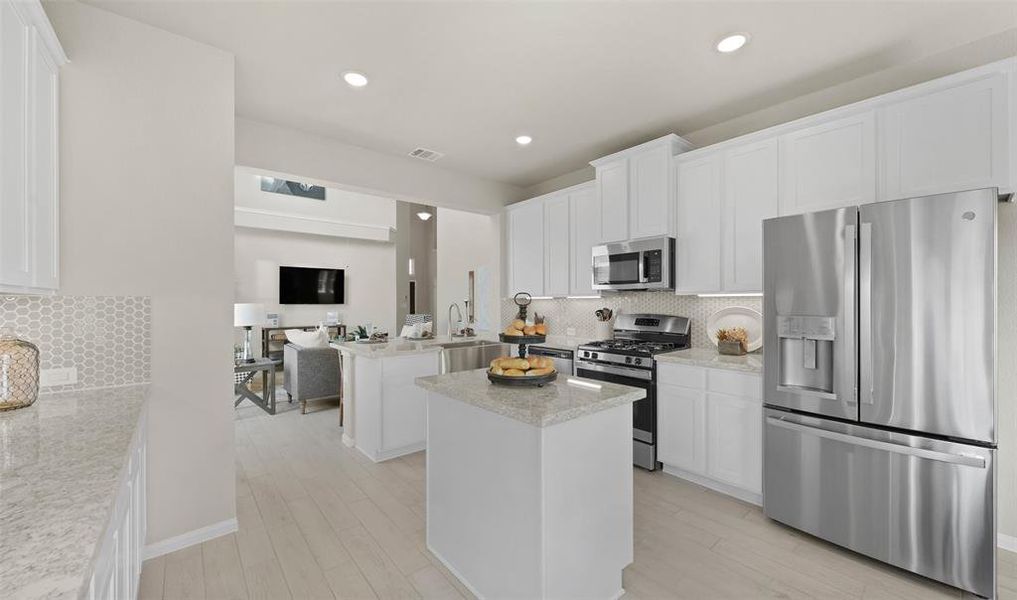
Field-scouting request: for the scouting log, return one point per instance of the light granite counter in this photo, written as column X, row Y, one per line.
column 397, row 347
column 61, row 461
column 710, row 358
column 539, row 406
column 402, row 346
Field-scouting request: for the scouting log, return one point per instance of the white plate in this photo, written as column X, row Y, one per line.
column 737, row 316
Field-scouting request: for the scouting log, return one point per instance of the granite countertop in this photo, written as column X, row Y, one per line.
column 403, row 347
column 61, row 461
column 396, row 347
column 554, row 403
column 709, row 357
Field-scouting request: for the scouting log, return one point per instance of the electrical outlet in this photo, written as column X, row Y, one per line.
column 570, row 331
column 62, row 376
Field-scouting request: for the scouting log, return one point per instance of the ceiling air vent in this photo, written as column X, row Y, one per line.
column 425, row 154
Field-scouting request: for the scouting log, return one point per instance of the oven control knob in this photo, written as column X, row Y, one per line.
column 639, row 361
column 586, row 354
column 594, row 355
column 628, row 359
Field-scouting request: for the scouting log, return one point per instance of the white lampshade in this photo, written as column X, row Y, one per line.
column 247, row 315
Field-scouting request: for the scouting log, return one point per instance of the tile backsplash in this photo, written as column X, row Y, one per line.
column 563, row 313
column 107, row 338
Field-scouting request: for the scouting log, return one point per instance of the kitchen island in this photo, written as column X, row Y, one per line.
column 529, row 490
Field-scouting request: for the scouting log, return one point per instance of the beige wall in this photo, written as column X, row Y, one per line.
column 468, row 241
column 370, row 275
column 1006, row 361
column 270, row 147
column 146, row 183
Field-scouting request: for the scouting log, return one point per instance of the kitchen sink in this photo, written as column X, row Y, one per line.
column 470, row 354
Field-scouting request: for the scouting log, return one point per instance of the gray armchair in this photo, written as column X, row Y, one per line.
column 311, row 374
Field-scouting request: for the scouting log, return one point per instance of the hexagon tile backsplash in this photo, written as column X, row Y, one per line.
column 107, row 338
column 577, row 313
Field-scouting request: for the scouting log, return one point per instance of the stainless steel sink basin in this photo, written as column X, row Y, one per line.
column 470, row 354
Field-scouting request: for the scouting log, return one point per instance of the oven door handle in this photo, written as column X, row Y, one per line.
column 641, row 374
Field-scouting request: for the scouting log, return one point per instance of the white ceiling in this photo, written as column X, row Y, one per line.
column 584, row 79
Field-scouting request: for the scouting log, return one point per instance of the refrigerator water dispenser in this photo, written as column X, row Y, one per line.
column 806, row 353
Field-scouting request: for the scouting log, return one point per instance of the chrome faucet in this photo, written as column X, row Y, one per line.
column 459, row 319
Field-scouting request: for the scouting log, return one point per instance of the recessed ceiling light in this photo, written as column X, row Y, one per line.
column 423, row 215
column 732, row 42
column 357, row 80
column 523, row 140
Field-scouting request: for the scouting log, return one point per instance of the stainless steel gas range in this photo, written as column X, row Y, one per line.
column 628, row 359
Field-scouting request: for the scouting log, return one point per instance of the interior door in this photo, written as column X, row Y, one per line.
column 927, row 283
column 809, row 300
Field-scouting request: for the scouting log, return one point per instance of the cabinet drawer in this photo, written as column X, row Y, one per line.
column 744, row 385
column 681, row 375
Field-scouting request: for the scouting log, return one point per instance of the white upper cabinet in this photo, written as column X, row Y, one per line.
column 698, row 230
column 651, row 185
column 751, row 194
column 549, row 243
column 557, row 246
column 29, row 98
column 44, row 180
column 951, row 140
column 526, row 248
column 635, row 190
column 15, row 212
column 613, row 194
column 829, row 165
column 584, row 221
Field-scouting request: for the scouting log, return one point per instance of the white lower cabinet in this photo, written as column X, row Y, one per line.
column 734, row 441
column 681, row 427
column 390, row 419
column 117, row 570
column 709, row 428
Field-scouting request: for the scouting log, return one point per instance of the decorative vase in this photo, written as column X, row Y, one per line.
column 19, row 372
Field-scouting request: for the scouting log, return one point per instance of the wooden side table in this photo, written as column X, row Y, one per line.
column 242, row 388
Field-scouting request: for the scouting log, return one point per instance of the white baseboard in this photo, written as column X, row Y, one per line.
column 396, row 453
column 1006, row 542
column 717, row 486
column 190, row 538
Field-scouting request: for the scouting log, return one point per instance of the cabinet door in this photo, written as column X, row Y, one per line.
column 681, row 428
column 948, row 141
column 613, row 194
column 557, row 246
column 697, row 245
column 650, row 189
column 526, row 249
column 829, row 165
column 15, row 212
column 734, row 441
column 584, row 220
column 751, row 194
column 43, row 184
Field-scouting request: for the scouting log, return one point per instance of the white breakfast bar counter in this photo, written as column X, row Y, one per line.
column 529, row 490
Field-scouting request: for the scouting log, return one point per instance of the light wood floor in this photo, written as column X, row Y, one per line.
column 318, row 520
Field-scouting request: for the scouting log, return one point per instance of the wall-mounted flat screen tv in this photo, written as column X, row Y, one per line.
column 303, row 285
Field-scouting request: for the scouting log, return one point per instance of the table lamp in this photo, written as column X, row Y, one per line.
column 247, row 316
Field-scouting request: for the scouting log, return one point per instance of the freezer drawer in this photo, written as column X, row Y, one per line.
column 920, row 504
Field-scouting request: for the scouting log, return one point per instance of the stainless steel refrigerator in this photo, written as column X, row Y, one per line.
column 880, row 381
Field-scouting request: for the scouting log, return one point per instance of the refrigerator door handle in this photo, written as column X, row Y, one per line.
column 850, row 289
column 945, row 457
column 867, row 390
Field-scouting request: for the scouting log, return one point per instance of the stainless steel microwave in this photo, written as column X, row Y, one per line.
column 646, row 264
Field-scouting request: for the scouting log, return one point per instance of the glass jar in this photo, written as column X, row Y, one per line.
column 19, row 372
